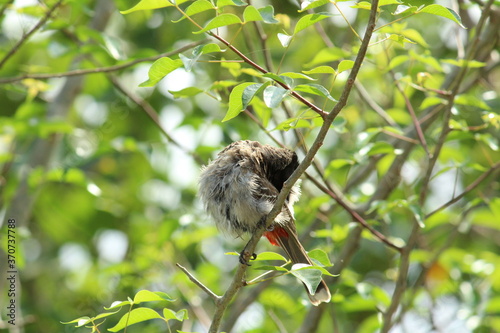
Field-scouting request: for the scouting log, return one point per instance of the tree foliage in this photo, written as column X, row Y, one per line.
column 109, row 109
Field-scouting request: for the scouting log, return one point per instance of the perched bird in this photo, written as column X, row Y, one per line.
column 239, row 189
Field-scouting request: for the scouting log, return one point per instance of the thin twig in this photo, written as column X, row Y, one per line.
column 18, row 45
column 401, row 281
column 207, row 290
column 355, row 215
column 371, row 103
column 411, row 110
column 469, row 188
column 151, row 113
column 114, row 68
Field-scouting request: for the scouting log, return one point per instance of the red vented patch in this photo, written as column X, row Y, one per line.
column 272, row 236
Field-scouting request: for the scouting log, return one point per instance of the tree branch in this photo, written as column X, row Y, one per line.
column 207, row 290
column 78, row 72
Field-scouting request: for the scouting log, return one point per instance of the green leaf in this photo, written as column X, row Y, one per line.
column 179, row 315
column 431, row 101
column 295, row 75
column 370, row 291
column 320, row 258
column 396, row 61
column 401, row 39
column 114, row 47
column 220, row 21
column 79, row 321
column 29, row 110
column 309, row 4
column 471, row 100
column 270, row 268
column 196, row 7
column 279, row 78
column 270, row 256
column 267, row 14
column 135, row 316
column 251, row 14
column 327, row 55
column 85, row 320
column 338, row 124
column 262, row 111
column 418, row 214
column 146, row 5
column 293, row 123
column 197, row 53
column 494, row 206
column 54, row 127
column 186, row 92
column 284, row 39
column 211, row 48
column 224, row 3
column 309, row 20
column 309, row 275
column 426, row 59
column 150, row 296
column 388, row 2
column 321, row 70
column 250, row 92
column 235, row 101
column 487, row 139
column 380, row 147
column 118, row 304
column 340, row 163
column 315, row 89
column 404, row 9
column 362, row 5
column 161, row 68
column 274, row 95
column 218, row 85
column 465, row 63
column 345, row 65
column 443, row 12
column 413, row 36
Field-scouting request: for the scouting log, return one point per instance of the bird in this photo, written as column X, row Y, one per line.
column 239, row 189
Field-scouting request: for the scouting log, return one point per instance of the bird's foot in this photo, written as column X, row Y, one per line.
column 246, row 256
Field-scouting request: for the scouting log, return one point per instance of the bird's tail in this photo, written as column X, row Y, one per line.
column 283, row 236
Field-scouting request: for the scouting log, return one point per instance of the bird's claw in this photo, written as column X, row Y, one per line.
column 245, row 257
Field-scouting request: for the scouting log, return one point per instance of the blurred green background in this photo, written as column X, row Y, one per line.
column 105, row 203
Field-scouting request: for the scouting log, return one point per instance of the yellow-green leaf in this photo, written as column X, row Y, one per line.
column 321, row 70
column 309, row 20
column 345, row 65
column 251, row 14
column 235, row 101
column 196, row 7
column 135, row 316
column 309, row 4
column 150, row 296
column 146, row 5
column 160, row 69
column 443, row 12
column 220, row 21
